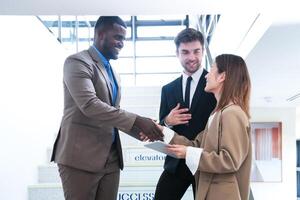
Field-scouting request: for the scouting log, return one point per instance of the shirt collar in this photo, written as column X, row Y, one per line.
column 196, row 75
column 104, row 60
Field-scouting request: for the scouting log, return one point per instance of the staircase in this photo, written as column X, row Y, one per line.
column 142, row 166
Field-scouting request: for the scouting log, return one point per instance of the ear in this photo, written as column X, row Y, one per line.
column 99, row 34
column 221, row 77
column 177, row 53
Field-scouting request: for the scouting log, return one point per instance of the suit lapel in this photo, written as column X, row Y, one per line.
column 199, row 91
column 178, row 91
column 102, row 69
column 118, row 86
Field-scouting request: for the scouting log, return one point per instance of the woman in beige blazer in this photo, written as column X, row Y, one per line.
column 220, row 156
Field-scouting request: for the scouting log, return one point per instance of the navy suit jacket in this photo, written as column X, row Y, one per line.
column 202, row 105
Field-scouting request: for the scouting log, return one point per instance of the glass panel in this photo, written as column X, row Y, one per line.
column 51, row 21
column 161, row 17
column 128, row 32
column 125, row 17
column 70, row 47
column 158, row 31
column 123, row 65
column 155, row 79
column 89, row 17
column 68, row 33
column 127, row 80
column 82, row 46
column 155, row 48
column 127, row 49
column 157, row 65
column 85, row 35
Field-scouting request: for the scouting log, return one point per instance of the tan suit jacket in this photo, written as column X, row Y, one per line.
column 89, row 118
column 225, row 163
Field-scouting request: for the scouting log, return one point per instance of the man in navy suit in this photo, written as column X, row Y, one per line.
column 185, row 108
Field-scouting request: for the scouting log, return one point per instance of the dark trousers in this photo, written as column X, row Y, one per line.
column 83, row 185
column 172, row 186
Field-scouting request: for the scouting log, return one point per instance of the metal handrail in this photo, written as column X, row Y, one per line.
column 206, row 24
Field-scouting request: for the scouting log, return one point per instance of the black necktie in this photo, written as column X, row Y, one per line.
column 187, row 92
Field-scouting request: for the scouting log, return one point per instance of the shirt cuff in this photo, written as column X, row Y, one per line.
column 167, row 124
column 168, row 134
column 192, row 158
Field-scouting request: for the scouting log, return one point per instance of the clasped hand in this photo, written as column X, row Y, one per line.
column 145, row 138
column 178, row 116
column 147, row 128
column 178, row 150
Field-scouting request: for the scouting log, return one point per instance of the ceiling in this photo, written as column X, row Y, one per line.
column 266, row 33
column 274, row 65
column 138, row 7
column 270, row 45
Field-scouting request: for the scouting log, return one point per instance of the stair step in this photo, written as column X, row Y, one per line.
column 130, row 174
column 140, row 100
column 150, row 111
column 126, row 192
column 133, row 153
column 45, row 192
column 140, row 91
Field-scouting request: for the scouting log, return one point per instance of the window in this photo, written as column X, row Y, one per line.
column 267, row 152
column 149, row 50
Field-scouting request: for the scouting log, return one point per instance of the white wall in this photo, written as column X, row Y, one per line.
column 30, row 102
column 274, row 66
column 287, row 188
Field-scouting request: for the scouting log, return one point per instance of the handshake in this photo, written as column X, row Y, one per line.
column 147, row 129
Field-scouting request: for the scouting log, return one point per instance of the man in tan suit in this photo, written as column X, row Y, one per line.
column 88, row 149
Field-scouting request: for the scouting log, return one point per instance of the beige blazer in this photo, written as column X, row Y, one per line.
column 225, row 163
column 85, row 135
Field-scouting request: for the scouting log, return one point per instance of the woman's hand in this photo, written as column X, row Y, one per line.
column 178, row 150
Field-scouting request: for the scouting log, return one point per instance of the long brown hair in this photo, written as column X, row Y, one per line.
column 237, row 85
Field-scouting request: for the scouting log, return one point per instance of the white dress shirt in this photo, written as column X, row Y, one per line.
column 193, row 154
column 196, row 76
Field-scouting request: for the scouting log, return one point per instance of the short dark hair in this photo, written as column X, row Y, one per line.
column 108, row 21
column 188, row 35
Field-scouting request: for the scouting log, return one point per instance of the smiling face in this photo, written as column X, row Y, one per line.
column 214, row 80
column 190, row 56
column 111, row 41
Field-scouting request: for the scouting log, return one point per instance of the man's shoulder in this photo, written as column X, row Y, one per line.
column 80, row 55
column 80, row 61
